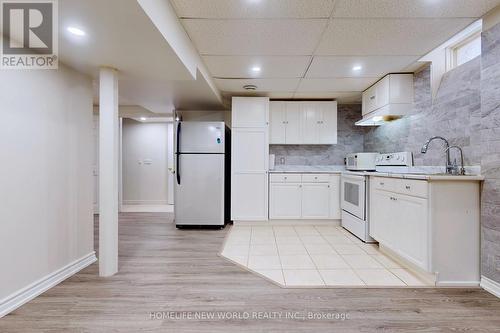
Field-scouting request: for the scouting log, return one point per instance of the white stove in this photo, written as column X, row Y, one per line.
column 355, row 201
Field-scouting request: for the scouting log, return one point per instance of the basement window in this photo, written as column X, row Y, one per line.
column 464, row 51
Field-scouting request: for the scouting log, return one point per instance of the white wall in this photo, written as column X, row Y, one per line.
column 206, row 116
column 144, row 183
column 46, row 219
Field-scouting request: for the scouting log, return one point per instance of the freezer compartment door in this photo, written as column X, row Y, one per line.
column 199, row 198
column 200, row 137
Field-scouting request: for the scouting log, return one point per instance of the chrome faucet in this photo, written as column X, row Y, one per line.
column 449, row 167
column 455, row 169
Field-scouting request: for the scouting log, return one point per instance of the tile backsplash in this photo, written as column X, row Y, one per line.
column 349, row 140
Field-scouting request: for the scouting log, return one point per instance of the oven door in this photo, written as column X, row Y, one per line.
column 353, row 194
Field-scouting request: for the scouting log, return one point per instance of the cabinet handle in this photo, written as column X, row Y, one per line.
column 372, row 97
column 408, row 187
column 382, row 184
column 328, row 186
column 300, row 185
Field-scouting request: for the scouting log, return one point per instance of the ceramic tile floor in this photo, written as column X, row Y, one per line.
column 313, row 256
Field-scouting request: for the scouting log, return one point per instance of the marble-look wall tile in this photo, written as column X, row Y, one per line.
column 490, row 153
column 349, row 140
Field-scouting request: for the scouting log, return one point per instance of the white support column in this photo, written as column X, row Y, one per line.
column 108, row 171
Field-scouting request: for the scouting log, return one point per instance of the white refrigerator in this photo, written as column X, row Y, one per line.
column 201, row 160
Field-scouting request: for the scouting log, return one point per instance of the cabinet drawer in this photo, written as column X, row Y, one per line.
column 384, row 184
column 411, row 187
column 315, row 178
column 285, row 178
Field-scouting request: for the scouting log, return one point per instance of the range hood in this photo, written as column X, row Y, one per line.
column 385, row 114
column 388, row 99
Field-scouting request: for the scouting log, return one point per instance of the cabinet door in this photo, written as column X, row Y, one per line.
column 249, row 165
column 285, row 201
column 250, row 112
column 382, row 92
column 335, row 212
column 310, row 121
column 401, row 88
column 381, row 216
column 293, row 122
column 371, row 100
column 328, row 123
column 412, row 219
column 315, row 201
column 277, row 123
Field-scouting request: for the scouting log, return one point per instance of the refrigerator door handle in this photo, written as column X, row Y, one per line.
column 178, row 154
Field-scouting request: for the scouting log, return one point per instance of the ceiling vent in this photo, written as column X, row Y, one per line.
column 250, row 87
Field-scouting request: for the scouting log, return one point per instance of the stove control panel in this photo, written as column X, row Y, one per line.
column 395, row 159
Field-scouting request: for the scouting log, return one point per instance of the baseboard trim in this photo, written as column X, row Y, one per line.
column 490, row 286
column 334, row 223
column 12, row 302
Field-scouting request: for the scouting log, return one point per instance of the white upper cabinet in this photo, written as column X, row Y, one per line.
column 303, row 122
column 328, row 123
column 293, row 130
column 392, row 89
column 277, row 124
column 250, row 112
column 310, row 123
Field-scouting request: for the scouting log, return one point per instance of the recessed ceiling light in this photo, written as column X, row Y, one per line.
column 144, row 118
column 357, row 68
column 76, row 31
column 256, row 69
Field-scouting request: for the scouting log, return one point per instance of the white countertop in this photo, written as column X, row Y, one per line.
column 340, row 169
column 430, row 177
column 280, row 168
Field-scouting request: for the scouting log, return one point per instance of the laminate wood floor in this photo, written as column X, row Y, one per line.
column 164, row 270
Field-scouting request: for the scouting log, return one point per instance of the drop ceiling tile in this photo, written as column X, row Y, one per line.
column 263, row 85
column 255, row 37
column 271, row 66
column 335, row 84
column 413, row 8
column 387, row 36
column 253, row 8
column 371, row 66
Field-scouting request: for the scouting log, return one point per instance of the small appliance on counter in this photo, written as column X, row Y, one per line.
column 361, row 161
column 354, row 194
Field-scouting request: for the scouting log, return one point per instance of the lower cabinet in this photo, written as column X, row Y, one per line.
column 400, row 222
column 315, row 201
column 297, row 196
column 433, row 226
column 285, row 201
